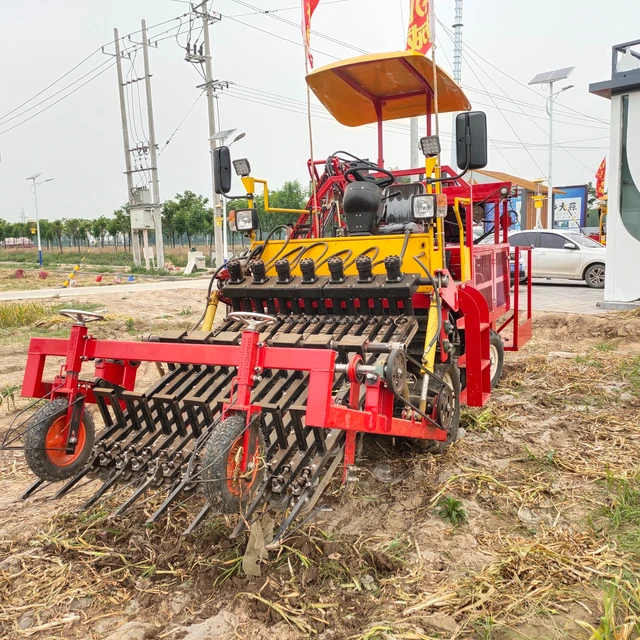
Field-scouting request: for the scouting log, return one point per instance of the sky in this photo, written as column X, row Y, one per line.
column 78, row 141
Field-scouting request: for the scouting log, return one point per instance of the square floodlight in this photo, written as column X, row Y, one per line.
column 247, row 219
column 423, row 206
column 430, row 146
column 242, row 167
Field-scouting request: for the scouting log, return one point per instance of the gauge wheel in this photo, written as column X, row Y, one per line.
column 496, row 354
column 594, row 276
column 225, row 487
column 447, row 405
column 45, row 442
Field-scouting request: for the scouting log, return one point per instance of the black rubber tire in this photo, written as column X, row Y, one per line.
column 496, row 341
column 214, row 464
column 34, row 442
column 590, row 278
column 441, row 370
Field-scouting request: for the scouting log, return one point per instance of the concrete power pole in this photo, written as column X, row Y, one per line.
column 156, row 206
column 209, row 82
column 127, row 150
column 457, row 71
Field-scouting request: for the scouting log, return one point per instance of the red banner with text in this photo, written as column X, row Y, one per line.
column 420, row 33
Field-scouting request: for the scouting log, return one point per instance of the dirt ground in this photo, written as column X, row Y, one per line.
column 543, row 484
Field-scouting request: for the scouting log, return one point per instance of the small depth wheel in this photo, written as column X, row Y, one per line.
column 45, row 442
column 225, row 486
column 496, row 353
column 447, row 405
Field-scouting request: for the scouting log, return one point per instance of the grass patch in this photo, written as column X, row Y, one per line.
column 621, row 617
column 629, row 371
column 605, row 346
column 624, row 509
column 20, row 314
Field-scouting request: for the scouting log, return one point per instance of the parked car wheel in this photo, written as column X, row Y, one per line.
column 594, row 276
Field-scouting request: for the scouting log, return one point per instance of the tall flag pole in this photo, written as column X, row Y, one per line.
column 420, row 40
column 308, row 7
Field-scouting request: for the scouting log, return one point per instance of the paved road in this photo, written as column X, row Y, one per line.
column 565, row 296
column 548, row 295
column 187, row 283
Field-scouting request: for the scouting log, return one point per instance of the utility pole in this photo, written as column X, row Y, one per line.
column 457, row 71
column 127, row 150
column 414, row 137
column 156, row 207
column 209, row 82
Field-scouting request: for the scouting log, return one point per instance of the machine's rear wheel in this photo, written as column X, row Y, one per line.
column 45, row 442
column 496, row 353
column 225, row 486
column 447, row 406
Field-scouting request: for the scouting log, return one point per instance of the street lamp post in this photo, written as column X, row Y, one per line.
column 549, row 78
column 34, row 188
column 219, row 138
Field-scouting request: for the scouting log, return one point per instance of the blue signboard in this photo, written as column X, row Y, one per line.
column 570, row 207
column 515, row 210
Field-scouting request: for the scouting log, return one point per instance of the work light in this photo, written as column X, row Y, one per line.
column 242, row 167
column 430, row 146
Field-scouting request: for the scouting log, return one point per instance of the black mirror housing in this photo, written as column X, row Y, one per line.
column 471, row 140
column 222, row 174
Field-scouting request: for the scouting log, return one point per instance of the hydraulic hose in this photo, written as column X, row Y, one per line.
column 405, row 244
column 335, row 255
column 364, row 253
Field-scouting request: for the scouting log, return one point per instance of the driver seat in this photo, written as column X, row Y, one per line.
column 362, row 204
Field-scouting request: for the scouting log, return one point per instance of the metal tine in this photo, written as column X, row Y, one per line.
column 173, row 494
column 34, row 488
column 107, row 484
column 140, row 491
column 197, row 521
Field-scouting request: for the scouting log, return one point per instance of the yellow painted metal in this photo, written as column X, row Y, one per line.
column 210, row 315
column 429, row 353
column 603, row 217
column 397, row 81
column 465, row 252
column 275, row 209
column 377, row 247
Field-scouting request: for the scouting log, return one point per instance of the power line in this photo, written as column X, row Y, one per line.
column 296, row 8
column 275, row 35
column 67, row 73
column 186, row 115
column 297, row 26
column 514, row 79
column 57, row 101
column 4, row 120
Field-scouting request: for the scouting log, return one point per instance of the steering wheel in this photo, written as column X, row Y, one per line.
column 354, row 174
column 254, row 321
column 81, row 317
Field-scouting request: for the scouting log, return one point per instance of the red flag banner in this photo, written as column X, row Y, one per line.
column 308, row 7
column 420, row 32
column 600, row 178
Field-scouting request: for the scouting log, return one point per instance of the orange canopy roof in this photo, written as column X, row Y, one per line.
column 395, row 83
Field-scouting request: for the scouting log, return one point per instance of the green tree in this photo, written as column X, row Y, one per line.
column 188, row 214
column 57, row 229
column 73, row 231
column 46, row 232
column 99, row 230
column 123, row 217
column 169, row 209
column 113, row 229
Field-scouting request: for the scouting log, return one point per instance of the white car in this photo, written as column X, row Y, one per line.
column 569, row 255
